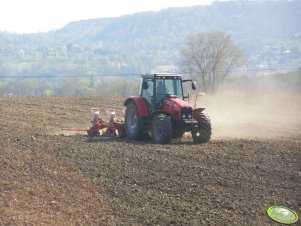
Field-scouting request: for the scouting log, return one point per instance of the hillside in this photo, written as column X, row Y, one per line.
column 268, row 31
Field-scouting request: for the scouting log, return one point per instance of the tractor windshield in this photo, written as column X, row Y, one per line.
column 166, row 86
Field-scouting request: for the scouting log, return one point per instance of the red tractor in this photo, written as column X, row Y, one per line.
column 160, row 111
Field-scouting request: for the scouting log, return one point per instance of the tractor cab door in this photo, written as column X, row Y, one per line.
column 147, row 90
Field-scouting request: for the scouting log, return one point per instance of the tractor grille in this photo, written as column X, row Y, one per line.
column 187, row 112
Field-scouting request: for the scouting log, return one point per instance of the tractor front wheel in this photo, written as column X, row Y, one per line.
column 202, row 132
column 161, row 129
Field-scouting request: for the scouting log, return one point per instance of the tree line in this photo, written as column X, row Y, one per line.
column 70, row 87
column 208, row 57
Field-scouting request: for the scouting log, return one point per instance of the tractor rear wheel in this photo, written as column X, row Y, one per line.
column 201, row 133
column 161, row 129
column 132, row 124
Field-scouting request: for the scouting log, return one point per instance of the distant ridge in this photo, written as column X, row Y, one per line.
column 268, row 31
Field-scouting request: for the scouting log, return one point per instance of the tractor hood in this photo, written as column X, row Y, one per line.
column 174, row 101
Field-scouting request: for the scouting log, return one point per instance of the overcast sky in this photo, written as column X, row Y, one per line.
column 26, row 16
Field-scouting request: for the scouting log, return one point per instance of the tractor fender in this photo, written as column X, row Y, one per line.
column 199, row 109
column 196, row 112
column 140, row 105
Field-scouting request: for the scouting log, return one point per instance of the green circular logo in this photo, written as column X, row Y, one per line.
column 282, row 214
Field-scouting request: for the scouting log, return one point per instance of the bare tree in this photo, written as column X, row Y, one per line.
column 209, row 57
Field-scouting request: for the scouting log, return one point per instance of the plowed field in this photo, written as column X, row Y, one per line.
column 52, row 178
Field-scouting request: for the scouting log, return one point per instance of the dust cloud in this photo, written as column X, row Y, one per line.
column 253, row 116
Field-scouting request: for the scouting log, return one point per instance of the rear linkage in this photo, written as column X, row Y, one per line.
column 114, row 127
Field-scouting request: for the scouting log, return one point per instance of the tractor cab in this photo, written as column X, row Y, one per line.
column 156, row 87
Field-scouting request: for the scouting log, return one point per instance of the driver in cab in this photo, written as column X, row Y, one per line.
column 161, row 92
column 161, row 88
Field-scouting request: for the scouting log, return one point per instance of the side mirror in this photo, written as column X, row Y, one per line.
column 193, row 85
column 144, row 85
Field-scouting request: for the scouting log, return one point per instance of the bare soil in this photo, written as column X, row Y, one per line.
column 48, row 177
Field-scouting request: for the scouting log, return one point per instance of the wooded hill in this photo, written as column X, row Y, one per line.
column 268, row 31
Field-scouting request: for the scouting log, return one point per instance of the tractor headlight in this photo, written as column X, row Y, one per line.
column 183, row 116
column 189, row 116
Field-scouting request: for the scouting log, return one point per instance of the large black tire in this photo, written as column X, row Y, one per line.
column 161, row 129
column 202, row 133
column 133, row 124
